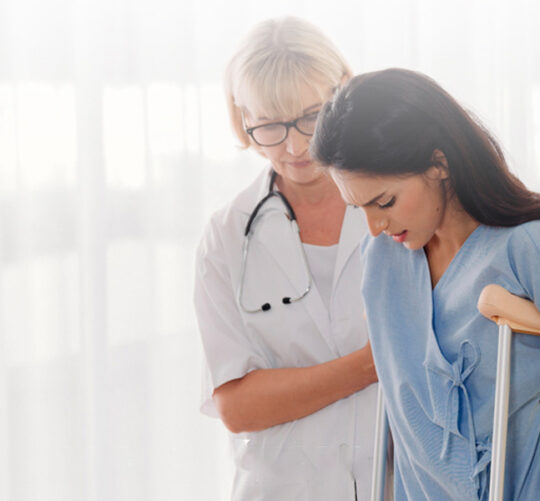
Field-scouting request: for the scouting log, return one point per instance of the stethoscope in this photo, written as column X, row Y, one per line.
column 248, row 233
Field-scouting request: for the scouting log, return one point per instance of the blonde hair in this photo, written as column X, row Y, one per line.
column 274, row 60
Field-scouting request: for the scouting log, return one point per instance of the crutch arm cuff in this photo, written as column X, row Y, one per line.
column 499, row 305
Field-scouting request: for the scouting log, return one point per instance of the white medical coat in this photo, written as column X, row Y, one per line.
column 318, row 457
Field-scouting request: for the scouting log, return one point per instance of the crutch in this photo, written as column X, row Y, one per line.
column 378, row 478
column 510, row 313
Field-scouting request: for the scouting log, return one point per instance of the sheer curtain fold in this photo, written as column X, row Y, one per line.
column 114, row 150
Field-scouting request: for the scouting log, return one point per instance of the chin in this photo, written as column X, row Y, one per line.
column 413, row 245
column 303, row 175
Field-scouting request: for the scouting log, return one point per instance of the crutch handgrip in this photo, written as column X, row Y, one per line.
column 504, row 308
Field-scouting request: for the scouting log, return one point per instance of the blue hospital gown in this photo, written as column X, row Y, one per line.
column 436, row 357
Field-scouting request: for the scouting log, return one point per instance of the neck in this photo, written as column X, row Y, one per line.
column 306, row 194
column 455, row 228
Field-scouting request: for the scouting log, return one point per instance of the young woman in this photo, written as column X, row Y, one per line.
column 290, row 372
column 451, row 219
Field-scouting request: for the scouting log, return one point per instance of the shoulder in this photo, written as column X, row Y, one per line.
column 523, row 248
column 516, row 240
column 389, row 263
column 228, row 222
column 381, row 247
column 527, row 235
column 516, row 254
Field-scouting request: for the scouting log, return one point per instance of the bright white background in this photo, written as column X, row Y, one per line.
column 114, row 150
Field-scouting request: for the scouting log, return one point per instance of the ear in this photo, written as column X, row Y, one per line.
column 439, row 169
column 342, row 82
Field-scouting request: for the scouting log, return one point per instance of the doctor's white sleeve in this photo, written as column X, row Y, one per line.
column 228, row 351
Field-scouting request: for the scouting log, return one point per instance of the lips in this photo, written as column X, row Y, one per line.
column 301, row 165
column 400, row 237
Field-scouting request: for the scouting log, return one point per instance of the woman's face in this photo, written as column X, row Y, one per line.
column 291, row 159
column 409, row 209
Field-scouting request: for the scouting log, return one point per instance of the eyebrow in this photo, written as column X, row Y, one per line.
column 306, row 110
column 316, row 105
column 373, row 200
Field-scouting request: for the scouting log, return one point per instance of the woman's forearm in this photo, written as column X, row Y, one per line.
column 267, row 397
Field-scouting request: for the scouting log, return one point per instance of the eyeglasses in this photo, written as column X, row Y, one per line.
column 275, row 133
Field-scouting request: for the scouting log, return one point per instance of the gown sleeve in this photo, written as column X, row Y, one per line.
column 228, row 350
column 525, row 259
column 524, row 254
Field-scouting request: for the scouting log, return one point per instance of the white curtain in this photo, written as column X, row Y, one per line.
column 114, row 150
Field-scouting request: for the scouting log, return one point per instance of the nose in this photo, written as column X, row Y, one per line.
column 296, row 142
column 376, row 224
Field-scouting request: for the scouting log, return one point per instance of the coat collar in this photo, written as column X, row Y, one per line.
column 247, row 200
column 274, row 235
column 353, row 231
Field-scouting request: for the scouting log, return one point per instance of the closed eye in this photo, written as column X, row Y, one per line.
column 311, row 117
column 388, row 204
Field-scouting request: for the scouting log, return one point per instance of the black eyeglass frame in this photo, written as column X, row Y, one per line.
column 288, row 125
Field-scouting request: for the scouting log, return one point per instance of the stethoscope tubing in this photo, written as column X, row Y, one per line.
column 248, row 233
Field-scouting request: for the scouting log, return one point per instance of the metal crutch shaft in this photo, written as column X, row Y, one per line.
column 511, row 313
column 500, row 415
column 381, row 445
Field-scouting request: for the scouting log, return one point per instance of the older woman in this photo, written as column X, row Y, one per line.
column 290, row 371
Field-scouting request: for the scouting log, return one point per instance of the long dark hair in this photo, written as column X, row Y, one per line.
column 390, row 122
